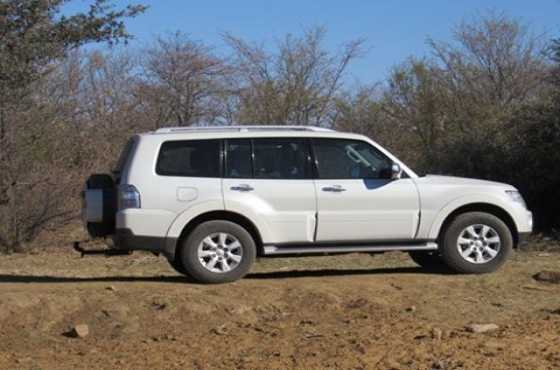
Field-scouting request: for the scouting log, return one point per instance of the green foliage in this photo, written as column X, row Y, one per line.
column 534, row 157
column 33, row 35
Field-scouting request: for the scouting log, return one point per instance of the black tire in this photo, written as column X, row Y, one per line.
column 430, row 260
column 195, row 269
column 449, row 250
column 100, row 181
column 177, row 266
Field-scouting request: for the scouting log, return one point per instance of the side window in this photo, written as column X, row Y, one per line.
column 349, row 159
column 238, row 159
column 281, row 159
column 189, row 158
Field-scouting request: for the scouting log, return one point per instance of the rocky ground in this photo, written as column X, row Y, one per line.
column 58, row 311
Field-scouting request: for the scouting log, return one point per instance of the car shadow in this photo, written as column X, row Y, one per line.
column 46, row 279
column 338, row 272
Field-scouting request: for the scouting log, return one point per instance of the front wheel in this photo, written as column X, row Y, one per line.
column 476, row 243
column 430, row 260
column 218, row 252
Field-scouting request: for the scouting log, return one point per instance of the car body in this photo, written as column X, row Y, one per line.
column 295, row 190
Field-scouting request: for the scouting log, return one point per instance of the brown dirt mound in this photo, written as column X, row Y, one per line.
column 343, row 312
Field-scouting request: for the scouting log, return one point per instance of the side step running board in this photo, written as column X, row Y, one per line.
column 322, row 249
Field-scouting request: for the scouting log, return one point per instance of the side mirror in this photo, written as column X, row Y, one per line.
column 396, row 171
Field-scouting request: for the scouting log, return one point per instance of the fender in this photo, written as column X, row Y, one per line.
column 442, row 214
column 188, row 214
column 251, row 211
column 182, row 220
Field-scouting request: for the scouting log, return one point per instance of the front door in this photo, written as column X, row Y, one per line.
column 270, row 180
column 356, row 199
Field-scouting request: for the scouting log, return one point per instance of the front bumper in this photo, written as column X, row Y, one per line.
column 523, row 238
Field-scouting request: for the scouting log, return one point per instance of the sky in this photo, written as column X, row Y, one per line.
column 393, row 30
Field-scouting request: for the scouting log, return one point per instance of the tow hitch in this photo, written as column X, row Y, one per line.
column 107, row 252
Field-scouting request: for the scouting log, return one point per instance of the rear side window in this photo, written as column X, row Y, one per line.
column 238, row 159
column 189, row 158
column 281, row 159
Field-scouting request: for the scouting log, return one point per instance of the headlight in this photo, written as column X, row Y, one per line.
column 516, row 197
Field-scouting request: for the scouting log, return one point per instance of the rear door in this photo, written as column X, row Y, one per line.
column 188, row 174
column 357, row 200
column 270, row 180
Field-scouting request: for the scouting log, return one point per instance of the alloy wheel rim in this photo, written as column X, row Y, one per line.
column 479, row 243
column 220, row 252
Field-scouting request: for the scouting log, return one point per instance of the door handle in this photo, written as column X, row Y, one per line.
column 242, row 187
column 334, row 189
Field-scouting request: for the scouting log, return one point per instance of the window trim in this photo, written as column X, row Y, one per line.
column 220, row 158
column 316, row 160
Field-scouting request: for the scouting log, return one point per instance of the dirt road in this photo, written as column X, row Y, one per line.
column 345, row 312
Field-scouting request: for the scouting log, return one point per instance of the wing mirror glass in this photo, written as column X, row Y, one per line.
column 396, row 171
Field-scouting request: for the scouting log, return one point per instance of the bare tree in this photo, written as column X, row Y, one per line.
column 296, row 84
column 554, row 49
column 33, row 38
column 463, row 96
column 492, row 60
column 414, row 102
column 182, row 81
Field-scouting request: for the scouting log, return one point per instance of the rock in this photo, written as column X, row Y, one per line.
column 220, row 330
column 538, row 288
column 392, row 364
column 493, row 346
column 411, row 309
column 158, row 306
column 79, row 331
column 111, row 288
column 439, row 365
column 481, row 328
column 548, row 277
column 169, row 337
column 437, row 333
column 357, row 303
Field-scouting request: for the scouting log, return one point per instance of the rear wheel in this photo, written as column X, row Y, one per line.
column 218, row 252
column 476, row 243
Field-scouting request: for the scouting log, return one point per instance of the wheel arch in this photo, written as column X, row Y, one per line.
column 489, row 208
column 223, row 216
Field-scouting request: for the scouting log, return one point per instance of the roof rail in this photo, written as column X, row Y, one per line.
column 243, row 128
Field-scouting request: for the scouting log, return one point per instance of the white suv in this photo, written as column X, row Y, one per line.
column 212, row 199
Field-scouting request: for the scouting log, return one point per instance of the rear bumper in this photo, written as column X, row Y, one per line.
column 125, row 239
